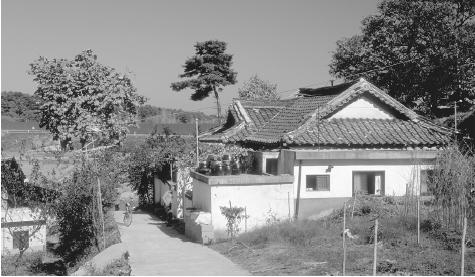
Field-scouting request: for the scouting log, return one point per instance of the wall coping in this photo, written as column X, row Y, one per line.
column 242, row 179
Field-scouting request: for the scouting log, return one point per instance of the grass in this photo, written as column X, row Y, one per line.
column 119, row 267
column 309, row 247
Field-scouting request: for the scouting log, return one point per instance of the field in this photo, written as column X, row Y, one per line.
column 315, row 248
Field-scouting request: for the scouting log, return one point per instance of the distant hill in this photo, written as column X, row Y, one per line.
column 21, row 111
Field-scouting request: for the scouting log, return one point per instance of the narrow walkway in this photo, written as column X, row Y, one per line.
column 156, row 249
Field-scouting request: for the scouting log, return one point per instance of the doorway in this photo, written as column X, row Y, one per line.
column 368, row 182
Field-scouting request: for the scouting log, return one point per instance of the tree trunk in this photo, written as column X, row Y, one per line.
column 65, row 144
column 218, row 105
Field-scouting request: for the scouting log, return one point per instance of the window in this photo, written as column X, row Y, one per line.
column 368, row 182
column 271, row 166
column 20, row 240
column 426, row 179
column 318, row 182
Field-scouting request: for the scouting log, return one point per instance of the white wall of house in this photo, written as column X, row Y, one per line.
column 161, row 189
column 261, row 202
column 363, row 108
column 22, row 215
column 397, row 173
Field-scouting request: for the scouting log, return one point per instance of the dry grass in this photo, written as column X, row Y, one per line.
column 315, row 248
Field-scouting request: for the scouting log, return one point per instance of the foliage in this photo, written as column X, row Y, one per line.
column 208, row 71
column 170, row 116
column 420, row 51
column 234, row 216
column 25, row 267
column 452, row 183
column 78, row 215
column 12, row 179
column 119, row 267
column 20, row 105
column 159, row 154
column 82, row 96
column 256, row 88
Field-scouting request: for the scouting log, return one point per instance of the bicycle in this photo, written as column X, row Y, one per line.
column 127, row 218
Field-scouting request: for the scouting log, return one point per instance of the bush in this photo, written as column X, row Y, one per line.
column 77, row 216
column 28, row 262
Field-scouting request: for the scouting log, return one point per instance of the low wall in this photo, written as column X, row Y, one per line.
column 262, row 196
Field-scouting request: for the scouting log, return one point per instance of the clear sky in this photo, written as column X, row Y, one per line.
column 286, row 42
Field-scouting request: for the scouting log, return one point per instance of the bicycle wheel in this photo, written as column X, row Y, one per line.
column 128, row 219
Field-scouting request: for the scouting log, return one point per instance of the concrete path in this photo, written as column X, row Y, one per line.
column 156, row 249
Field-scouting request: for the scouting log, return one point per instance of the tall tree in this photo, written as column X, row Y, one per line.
column 20, row 105
column 83, row 98
column 208, row 71
column 422, row 52
column 256, row 88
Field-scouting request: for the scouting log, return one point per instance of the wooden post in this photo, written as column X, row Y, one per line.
column 101, row 212
column 298, row 191
column 375, row 255
column 344, row 237
column 354, row 203
column 245, row 219
column 418, row 220
column 288, row 202
column 462, row 267
column 197, row 152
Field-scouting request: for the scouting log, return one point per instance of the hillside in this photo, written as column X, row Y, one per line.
column 20, row 112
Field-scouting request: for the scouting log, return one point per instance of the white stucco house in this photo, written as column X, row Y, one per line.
column 24, row 224
column 317, row 150
column 22, row 227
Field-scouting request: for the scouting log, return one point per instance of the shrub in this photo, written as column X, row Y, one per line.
column 233, row 216
column 77, row 215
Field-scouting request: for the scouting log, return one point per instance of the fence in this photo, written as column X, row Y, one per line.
column 409, row 208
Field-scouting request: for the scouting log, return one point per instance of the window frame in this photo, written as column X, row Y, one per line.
column 17, row 239
column 316, row 176
column 273, row 160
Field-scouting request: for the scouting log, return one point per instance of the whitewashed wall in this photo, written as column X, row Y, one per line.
column 397, row 173
column 260, row 202
column 36, row 242
column 363, row 108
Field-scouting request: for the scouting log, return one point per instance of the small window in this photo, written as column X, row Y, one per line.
column 271, row 166
column 20, row 240
column 318, row 182
column 426, row 179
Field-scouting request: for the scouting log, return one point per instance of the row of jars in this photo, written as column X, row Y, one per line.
column 216, row 166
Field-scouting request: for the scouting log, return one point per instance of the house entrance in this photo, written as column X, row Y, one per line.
column 368, row 182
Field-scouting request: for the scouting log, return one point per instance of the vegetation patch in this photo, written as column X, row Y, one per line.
column 307, row 247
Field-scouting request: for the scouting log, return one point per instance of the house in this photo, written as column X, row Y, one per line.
column 333, row 142
column 24, row 225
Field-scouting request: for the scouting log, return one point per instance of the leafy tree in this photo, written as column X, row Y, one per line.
column 20, row 105
column 208, row 71
column 82, row 94
column 257, row 88
column 421, row 51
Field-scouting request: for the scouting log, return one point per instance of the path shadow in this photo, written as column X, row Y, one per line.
column 165, row 228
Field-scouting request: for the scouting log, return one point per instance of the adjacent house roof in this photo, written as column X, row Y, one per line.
column 306, row 120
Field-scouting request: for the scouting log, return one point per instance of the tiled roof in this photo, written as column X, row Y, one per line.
column 236, row 128
column 294, row 121
column 289, row 119
column 369, row 133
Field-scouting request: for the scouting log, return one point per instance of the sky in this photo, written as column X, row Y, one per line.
column 288, row 43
